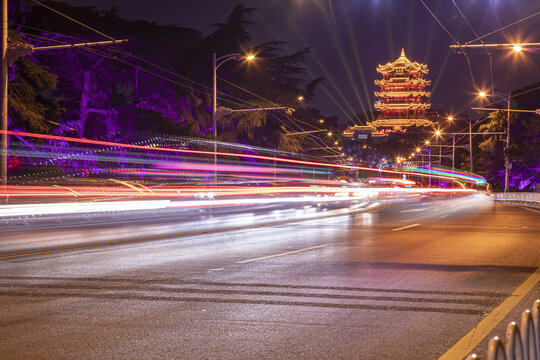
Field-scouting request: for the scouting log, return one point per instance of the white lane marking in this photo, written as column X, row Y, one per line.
column 413, row 210
column 216, row 269
column 283, row 254
column 442, row 217
column 405, row 227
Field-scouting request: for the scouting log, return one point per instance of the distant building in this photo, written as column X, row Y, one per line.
column 402, row 97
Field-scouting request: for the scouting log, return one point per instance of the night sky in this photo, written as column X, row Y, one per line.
column 350, row 37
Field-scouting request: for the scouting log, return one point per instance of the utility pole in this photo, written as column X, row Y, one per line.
column 506, row 158
column 4, row 92
column 8, row 57
column 470, row 147
column 454, row 152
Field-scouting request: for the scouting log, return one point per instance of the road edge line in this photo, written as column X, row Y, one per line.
column 467, row 343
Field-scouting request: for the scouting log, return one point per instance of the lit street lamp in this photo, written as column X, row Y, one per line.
column 506, row 160
column 419, row 151
column 216, row 63
column 438, row 134
column 215, row 66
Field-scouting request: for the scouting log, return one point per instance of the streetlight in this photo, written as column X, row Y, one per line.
column 216, row 63
column 429, row 164
column 452, row 118
column 506, row 98
column 438, row 135
column 215, row 66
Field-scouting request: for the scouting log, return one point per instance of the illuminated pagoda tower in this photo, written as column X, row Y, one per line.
column 402, row 98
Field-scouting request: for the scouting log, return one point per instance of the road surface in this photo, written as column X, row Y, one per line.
column 391, row 281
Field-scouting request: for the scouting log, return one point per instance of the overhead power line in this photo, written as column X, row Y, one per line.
column 455, row 41
column 503, row 28
column 104, row 54
column 70, row 18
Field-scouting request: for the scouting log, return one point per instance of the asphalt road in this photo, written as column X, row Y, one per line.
column 391, row 281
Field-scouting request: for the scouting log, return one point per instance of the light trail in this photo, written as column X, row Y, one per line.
column 242, row 176
column 411, row 172
column 393, row 180
column 204, row 197
column 448, row 173
column 196, row 191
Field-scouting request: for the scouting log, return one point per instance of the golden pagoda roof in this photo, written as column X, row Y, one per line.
column 402, row 106
column 401, row 94
column 402, row 81
column 402, row 63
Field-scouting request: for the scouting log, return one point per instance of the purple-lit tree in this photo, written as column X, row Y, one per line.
column 524, row 145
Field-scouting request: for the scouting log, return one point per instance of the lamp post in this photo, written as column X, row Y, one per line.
column 216, row 63
column 429, row 161
column 4, row 95
column 468, row 120
column 506, row 160
column 438, row 134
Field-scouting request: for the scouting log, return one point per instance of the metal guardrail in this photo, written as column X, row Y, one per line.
column 522, row 342
column 525, row 198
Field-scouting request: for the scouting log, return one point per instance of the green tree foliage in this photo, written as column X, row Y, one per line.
column 33, row 104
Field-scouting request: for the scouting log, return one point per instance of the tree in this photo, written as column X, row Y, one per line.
column 33, row 103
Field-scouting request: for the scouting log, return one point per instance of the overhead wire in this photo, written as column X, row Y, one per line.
column 503, row 28
column 145, row 61
column 455, row 41
column 70, row 18
column 498, row 21
column 137, row 57
column 94, row 52
column 101, row 53
column 484, row 45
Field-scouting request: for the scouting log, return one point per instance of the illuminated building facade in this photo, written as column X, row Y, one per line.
column 402, row 97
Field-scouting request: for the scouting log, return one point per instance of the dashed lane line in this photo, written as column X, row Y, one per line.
column 283, row 254
column 405, row 227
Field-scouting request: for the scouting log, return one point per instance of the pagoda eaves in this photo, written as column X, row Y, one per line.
column 411, row 106
column 400, row 94
column 402, row 81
